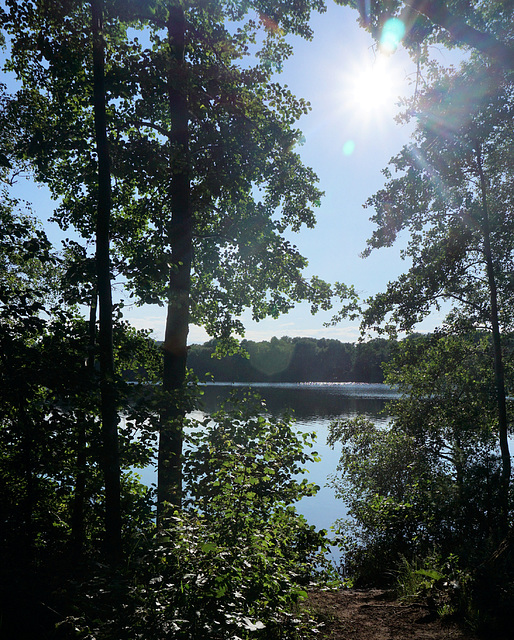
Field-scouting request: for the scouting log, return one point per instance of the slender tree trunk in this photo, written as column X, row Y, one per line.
column 180, row 237
column 79, row 497
column 29, row 498
column 497, row 350
column 105, row 335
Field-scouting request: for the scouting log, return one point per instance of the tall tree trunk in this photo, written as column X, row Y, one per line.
column 179, row 231
column 79, row 495
column 109, row 412
column 29, row 497
column 497, row 350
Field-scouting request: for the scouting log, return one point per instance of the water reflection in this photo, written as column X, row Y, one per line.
column 317, row 402
column 314, row 406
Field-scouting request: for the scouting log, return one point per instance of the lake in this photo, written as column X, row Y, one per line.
column 314, row 406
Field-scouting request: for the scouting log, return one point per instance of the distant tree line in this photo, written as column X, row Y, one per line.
column 294, row 360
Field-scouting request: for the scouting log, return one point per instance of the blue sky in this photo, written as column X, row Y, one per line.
column 347, row 143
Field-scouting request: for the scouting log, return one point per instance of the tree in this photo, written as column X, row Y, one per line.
column 228, row 130
column 103, row 277
column 294, row 360
column 34, row 145
column 57, row 34
column 369, row 359
column 482, row 27
column 427, row 484
column 194, row 134
column 453, row 198
column 24, row 255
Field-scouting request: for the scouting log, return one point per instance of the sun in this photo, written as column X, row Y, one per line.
column 372, row 88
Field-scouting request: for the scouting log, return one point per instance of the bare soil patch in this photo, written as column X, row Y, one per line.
column 374, row 614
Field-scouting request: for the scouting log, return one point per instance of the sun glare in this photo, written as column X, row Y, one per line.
column 372, row 89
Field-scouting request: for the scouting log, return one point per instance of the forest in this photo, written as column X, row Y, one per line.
column 170, row 147
column 294, row 360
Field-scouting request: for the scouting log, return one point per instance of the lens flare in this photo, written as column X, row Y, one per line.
column 392, row 34
column 348, row 147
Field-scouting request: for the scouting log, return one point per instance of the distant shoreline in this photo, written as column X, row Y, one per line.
column 294, row 360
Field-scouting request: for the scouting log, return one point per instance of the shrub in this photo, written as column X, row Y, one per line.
column 236, row 561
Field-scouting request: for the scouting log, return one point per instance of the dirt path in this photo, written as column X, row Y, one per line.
column 371, row 614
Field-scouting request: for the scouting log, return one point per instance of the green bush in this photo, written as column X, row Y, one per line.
column 237, row 560
column 430, row 479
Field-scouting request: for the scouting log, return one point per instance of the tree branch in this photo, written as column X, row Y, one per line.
column 151, row 125
column 437, row 12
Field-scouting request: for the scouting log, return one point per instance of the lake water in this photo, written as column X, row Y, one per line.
column 314, row 406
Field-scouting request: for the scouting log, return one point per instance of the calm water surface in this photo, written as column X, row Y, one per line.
column 314, row 407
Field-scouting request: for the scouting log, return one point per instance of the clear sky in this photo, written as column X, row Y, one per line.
column 350, row 135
